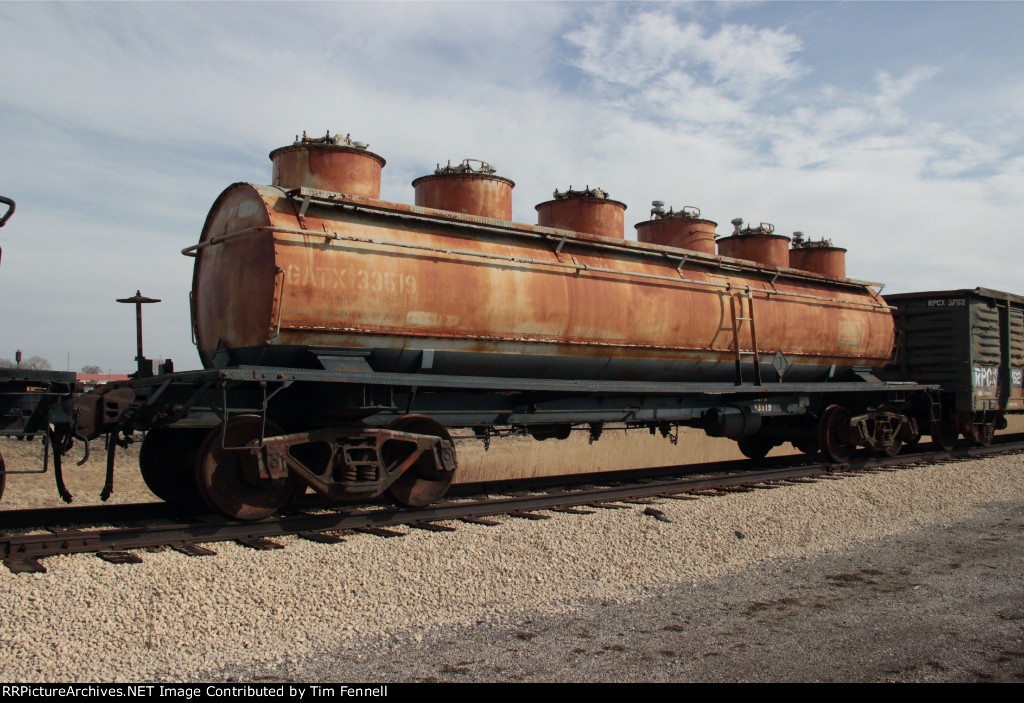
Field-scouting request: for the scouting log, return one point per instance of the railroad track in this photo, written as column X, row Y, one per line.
column 118, row 530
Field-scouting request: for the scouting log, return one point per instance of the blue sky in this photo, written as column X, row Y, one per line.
column 892, row 128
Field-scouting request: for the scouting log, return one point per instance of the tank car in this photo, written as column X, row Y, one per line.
column 343, row 336
column 286, row 274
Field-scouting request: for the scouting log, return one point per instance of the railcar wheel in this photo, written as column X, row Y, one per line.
column 945, row 433
column 3, row 476
column 228, row 480
column 754, row 447
column 167, row 461
column 832, row 434
column 424, row 482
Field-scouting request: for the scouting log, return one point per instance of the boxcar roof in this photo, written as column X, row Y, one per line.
column 976, row 292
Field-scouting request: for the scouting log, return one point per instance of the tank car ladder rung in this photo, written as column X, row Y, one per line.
column 737, row 321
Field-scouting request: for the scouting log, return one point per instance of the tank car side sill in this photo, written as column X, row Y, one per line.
column 496, row 383
column 272, row 374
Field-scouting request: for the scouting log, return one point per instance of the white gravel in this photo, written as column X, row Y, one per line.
column 175, row 618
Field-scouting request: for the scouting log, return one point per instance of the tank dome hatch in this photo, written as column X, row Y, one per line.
column 472, row 188
column 589, row 210
column 682, row 229
column 759, row 244
column 333, row 163
column 817, row 256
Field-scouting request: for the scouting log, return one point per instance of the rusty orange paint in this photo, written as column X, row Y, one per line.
column 478, row 194
column 766, row 249
column 375, row 274
column 330, row 167
column 828, row 261
column 600, row 216
column 681, row 233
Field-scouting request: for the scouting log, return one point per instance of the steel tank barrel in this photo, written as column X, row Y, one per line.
column 291, row 277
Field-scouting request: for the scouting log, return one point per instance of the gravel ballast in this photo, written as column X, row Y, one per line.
column 379, row 609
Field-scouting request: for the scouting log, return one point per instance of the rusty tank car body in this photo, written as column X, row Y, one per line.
column 288, row 275
column 343, row 336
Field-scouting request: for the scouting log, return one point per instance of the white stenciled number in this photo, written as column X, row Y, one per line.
column 364, row 279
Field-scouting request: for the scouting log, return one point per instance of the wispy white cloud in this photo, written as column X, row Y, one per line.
column 671, row 69
column 652, row 46
column 892, row 90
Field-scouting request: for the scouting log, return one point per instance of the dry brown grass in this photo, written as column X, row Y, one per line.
column 36, row 490
column 524, row 457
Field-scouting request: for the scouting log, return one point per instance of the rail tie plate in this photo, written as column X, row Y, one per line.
column 120, row 557
column 431, row 527
column 380, row 532
column 24, row 565
column 193, row 550
column 259, row 543
column 321, row 537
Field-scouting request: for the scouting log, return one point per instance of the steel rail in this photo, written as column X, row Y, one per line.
column 20, row 552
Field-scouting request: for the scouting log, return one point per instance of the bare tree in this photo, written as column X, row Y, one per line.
column 35, row 362
column 6, row 364
column 91, row 369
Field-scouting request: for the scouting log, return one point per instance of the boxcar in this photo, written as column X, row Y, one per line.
column 970, row 342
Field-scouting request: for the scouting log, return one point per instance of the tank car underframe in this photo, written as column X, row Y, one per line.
column 354, row 435
column 30, row 400
column 374, row 399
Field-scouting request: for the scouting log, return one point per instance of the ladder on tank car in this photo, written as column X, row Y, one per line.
column 737, row 323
